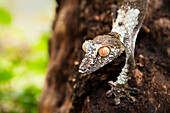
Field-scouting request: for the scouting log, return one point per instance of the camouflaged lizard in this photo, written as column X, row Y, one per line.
column 105, row 48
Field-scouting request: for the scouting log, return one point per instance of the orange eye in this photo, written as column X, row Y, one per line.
column 84, row 47
column 104, row 51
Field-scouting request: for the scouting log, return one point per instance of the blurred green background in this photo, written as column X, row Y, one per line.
column 25, row 27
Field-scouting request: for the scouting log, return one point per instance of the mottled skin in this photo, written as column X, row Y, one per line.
column 92, row 60
column 141, row 5
column 122, row 37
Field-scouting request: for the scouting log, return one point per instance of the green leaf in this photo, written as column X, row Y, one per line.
column 5, row 17
column 5, row 75
column 28, row 99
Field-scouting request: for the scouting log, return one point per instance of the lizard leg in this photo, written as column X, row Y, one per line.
column 120, row 87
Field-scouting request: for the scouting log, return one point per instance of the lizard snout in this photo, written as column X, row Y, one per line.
column 82, row 70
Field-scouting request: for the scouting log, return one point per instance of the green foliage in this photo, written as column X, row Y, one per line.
column 23, row 53
column 40, row 51
column 20, row 101
column 17, row 69
column 28, row 99
column 5, row 17
column 5, row 75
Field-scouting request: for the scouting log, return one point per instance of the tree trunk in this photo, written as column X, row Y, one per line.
column 66, row 90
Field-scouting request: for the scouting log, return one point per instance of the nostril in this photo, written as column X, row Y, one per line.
column 82, row 70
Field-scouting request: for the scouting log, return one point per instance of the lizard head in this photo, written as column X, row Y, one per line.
column 99, row 52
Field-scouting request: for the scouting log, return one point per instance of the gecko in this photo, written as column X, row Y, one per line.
column 106, row 48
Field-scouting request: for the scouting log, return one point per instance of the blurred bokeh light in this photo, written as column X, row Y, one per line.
column 25, row 27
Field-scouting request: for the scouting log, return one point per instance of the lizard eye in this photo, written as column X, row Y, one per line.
column 104, row 51
column 84, row 47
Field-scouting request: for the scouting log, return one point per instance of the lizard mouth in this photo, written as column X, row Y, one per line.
column 82, row 70
column 86, row 66
column 90, row 64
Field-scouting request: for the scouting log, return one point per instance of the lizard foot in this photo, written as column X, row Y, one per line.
column 121, row 90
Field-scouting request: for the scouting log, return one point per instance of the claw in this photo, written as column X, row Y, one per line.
column 131, row 99
column 133, row 90
column 111, row 83
column 117, row 100
column 109, row 93
column 121, row 90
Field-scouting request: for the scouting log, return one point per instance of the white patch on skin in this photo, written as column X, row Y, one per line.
column 129, row 20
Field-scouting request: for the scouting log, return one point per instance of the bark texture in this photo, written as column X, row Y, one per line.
column 66, row 91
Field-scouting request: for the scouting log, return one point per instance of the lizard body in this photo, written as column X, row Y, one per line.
column 105, row 48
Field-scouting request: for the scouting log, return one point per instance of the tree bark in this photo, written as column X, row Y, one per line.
column 65, row 90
